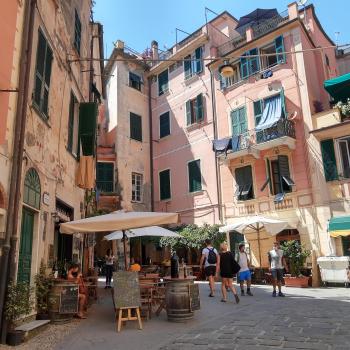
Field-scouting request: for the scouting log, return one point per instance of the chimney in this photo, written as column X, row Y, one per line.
column 119, row 45
column 293, row 11
column 249, row 34
column 154, row 46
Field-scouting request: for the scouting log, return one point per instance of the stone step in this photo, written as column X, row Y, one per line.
column 30, row 329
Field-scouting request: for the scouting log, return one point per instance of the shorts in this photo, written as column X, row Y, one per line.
column 244, row 276
column 210, row 270
column 277, row 274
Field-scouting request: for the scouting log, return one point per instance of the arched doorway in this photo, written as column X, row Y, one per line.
column 31, row 199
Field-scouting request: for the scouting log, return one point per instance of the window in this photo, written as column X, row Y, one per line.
column 193, row 63
column 278, row 176
column 135, row 127
column 77, row 32
column 164, row 124
column 136, row 187
column 73, row 126
column 194, row 176
column 105, row 177
column 235, row 78
column 32, row 189
column 87, row 127
column 344, row 156
column 239, row 121
column 134, row 81
column 250, row 65
column 194, row 110
column 328, row 158
column 244, row 183
column 258, row 111
column 164, row 185
column 163, row 82
column 271, row 60
column 42, row 75
column 346, row 246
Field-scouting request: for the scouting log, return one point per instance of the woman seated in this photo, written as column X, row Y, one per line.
column 75, row 275
column 134, row 265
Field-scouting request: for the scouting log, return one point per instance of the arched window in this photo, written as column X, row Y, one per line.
column 32, row 189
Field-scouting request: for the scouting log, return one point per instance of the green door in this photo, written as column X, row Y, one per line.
column 25, row 251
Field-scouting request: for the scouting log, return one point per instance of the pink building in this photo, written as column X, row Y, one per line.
column 264, row 116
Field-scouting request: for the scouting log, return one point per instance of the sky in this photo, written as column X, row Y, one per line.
column 138, row 22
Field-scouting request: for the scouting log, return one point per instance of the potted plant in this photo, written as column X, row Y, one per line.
column 295, row 255
column 43, row 284
column 344, row 108
column 17, row 305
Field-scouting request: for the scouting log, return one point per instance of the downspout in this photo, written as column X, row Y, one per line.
column 215, row 129
column 8, row 266
column 150, row 141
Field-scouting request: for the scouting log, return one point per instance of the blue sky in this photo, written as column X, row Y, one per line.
column 138, row 22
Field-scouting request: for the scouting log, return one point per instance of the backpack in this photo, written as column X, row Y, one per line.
column 211, row 256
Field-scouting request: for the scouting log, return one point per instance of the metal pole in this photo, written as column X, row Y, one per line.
column 124, row 246
column 258, row 231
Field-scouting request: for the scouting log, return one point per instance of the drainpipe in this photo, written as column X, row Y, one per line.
column 8, row 266
column 215, row 129
column 150, row 141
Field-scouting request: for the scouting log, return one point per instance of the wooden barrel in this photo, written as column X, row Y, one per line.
column 63, row 301
column 178, row 300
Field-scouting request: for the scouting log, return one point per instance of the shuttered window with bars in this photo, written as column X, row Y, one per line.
column 105, row 177
column 194, row 176
column 195, row 110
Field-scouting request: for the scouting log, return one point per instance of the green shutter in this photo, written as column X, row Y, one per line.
column 187, row 67
column 283, row 103
column 87, row 127
column 199, row 108
column 164, row 185
column 268, row 177
column 188, row 112
column 199, row 63
column 235, row 122
column 244, row 182
column 244, row 66
column 283, row 165
column 254, row 64
column 77, row 32
column 279, row 45
column 135, row 127
column 329, row 162
column 243, row 123
column 258, row 111
column 163, row 82
column 105, row 177
column 164, row 124
column 195, row 176
column 71, row 123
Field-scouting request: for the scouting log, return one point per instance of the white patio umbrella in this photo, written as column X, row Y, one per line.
column 255, row 224
column 142, row 232
column 119, row 220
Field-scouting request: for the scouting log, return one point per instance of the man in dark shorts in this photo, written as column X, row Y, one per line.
column 211, row 260
column 277, row 265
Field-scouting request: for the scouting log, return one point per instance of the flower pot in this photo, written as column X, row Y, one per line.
column 14, row 338
column 298, row 282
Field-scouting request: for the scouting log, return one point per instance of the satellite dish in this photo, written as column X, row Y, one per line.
column 302, row 2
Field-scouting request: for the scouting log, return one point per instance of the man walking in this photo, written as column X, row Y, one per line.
column 244, row 273
column 211, row 260
column 277, row 263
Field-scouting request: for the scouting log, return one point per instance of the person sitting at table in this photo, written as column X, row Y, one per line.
column 75, row 275
column 134, row 265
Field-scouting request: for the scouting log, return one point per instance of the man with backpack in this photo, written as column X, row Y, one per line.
column 211, row 260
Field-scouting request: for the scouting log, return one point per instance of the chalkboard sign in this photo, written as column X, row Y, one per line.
column 126, row 289
column 69, row 299
column 194, row 294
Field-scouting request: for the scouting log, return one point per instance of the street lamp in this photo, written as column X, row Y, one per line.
column 226, row 70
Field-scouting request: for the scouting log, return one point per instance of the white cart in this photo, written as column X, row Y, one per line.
column 334, row 269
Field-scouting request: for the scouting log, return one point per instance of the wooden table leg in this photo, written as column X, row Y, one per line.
column 161, row 307
column 139, row 317
column 120, row 319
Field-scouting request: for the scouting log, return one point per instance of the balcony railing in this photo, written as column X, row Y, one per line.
column 105, row 186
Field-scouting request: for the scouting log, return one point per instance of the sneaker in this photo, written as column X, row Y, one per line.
column 249, row 293
column 223, row 300
column 237, row 298
column 274, row 294
column 242, row 293
column 211, row 295
column 280, row 294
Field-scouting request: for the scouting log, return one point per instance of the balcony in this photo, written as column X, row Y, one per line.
column 252, row 142
column 105, row 187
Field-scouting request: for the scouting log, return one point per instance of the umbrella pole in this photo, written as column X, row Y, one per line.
column 124, row 246
column 258, row 231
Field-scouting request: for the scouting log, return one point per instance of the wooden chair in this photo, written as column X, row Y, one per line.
column 146, row 294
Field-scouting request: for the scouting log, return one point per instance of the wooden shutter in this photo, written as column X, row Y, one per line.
column 285, row 179
column 199, row 108
column 235, row 122
column 105, row 177
column 135, row 127
column 244, row 66
column 77, row 32
column 164, row 124
column 244, row 182
column 71, row 123
column 195, row 176
column 258, row 110
column 87, row 127
column 243, row 124
column 187, row 67
column 268, row 177
column 164, row 184
column 254, row 64
column 329, row 162
column 279, row 45
column 188, row 112
column 163, row 81
column 199, row 63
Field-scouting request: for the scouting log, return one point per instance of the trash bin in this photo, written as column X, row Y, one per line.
column 334, row 269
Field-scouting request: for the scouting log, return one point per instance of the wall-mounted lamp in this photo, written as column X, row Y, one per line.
column 226, row 70
column 55, row 216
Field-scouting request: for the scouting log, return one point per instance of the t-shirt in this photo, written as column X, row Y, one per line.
column 109, row 259
column 276, row 258
column 205, row 252
column 243, row 261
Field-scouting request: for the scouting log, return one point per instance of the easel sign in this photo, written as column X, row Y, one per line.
column 126, row 289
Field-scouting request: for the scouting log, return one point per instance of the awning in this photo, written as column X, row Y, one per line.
column 272, row 112
column 339, row 87
column 339, row 226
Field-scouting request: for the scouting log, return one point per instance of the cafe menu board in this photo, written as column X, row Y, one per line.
column 126, row 289
column 69, row 299
column 194, row 295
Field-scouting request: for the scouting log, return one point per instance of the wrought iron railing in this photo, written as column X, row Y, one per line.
column 105, row 186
